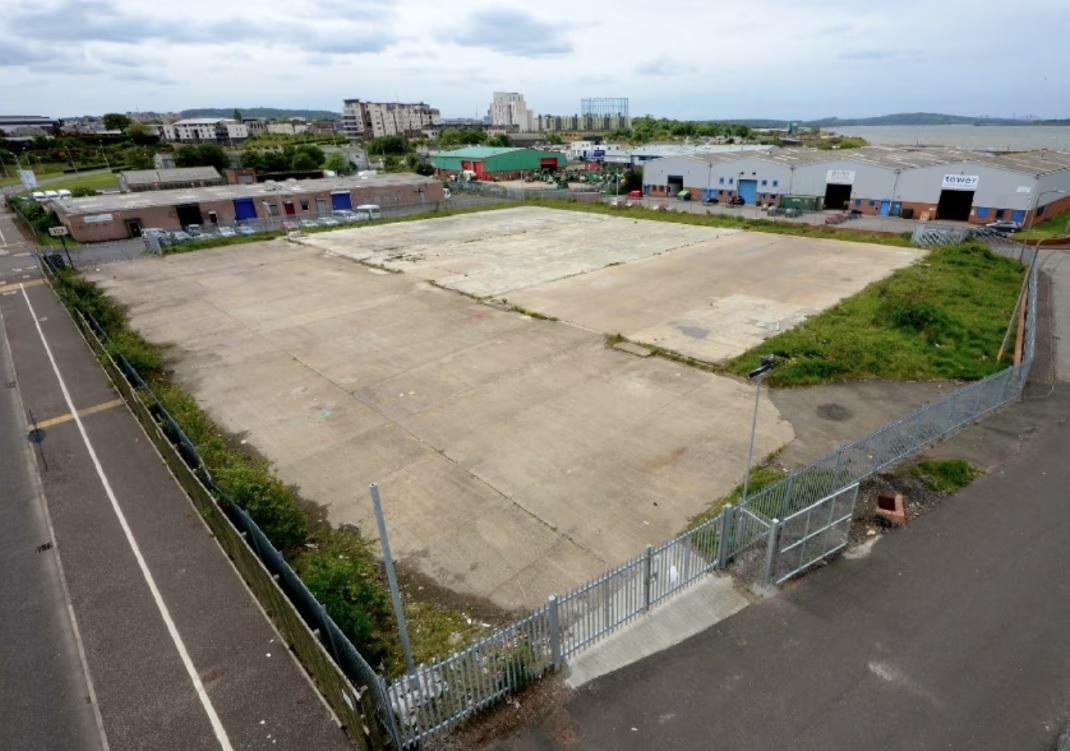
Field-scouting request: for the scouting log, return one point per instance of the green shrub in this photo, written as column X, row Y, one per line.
column 267, row 501
column 145, row 357
column 946, row 475
column 341, row 573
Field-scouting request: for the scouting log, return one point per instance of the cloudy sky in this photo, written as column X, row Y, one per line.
column 753, row 58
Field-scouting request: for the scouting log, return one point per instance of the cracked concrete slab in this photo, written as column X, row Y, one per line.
column 517, row 457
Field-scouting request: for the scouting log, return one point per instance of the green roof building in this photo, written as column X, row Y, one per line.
column 504, row 163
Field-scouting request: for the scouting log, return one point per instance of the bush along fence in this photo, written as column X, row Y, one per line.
column 354, row 690
column 789, row 526
column 523, row 194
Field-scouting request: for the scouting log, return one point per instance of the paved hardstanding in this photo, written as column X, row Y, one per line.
column 950, row 634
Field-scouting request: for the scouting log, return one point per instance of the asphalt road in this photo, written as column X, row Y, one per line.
column 44, row 687
column 951, row 634
column 178, row 652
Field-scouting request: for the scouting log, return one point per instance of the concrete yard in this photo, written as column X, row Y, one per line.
column 517, row 457
column 718, row 293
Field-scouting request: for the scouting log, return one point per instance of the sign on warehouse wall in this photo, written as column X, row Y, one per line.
column 840, row 176
column 961, row 182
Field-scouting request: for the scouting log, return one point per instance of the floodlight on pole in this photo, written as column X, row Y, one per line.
column 767, row 363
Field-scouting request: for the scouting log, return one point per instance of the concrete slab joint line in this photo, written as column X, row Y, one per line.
column 217, row 726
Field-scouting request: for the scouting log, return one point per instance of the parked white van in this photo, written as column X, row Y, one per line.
column 369, row 211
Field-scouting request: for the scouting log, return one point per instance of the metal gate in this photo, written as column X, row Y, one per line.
column 810, row 535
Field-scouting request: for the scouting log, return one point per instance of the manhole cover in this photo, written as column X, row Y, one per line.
column 834, row 412
column 37, row 435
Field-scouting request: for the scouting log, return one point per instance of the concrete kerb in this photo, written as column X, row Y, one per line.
column 356, row 708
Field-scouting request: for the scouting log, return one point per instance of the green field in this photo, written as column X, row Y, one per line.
column 101, row 180
column 1056, row 226
column 943, row 317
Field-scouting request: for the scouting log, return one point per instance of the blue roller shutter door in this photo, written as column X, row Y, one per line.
column 341, row 201
column 244, row 208
column 748, row 190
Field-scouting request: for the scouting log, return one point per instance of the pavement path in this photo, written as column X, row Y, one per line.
column 950, row 634
column 177, row 651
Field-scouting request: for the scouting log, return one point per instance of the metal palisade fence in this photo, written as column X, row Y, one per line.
column 796, row 522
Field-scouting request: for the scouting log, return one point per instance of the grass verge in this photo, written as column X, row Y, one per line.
column 943, row 317
column 1056, row 226
column 946, row 475
column 337, row 564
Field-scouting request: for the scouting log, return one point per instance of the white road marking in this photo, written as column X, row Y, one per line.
column 39, row 493
column 165, row 613
column 3, row 240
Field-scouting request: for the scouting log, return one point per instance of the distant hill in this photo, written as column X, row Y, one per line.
column 900, row 118
column 267, row 113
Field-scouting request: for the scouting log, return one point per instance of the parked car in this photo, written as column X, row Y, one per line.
column 308, row 223
column 227, row 232
column 289, row 224
column 327, row 221
column 736, row 201
column 179, row 236
column 245, row 229
column 635, row 194
column 1005, row 227
column 446, row 194
column 194, row 230
column 369, row 211
column 344, row 215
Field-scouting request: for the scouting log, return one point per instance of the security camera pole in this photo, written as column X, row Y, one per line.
column 756, row 375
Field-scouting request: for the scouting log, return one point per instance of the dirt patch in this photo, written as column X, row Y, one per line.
column 541, row 703
column 833, row 412
column 917, row 497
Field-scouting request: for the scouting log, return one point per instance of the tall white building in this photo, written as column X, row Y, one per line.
column 362, row 119
column 205, row 130
column 509, row 110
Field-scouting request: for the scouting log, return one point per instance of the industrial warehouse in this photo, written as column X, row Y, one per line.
column 496, row 163
column 912, row 183
column 121, row 215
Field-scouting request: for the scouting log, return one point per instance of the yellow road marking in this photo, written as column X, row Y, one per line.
column 13, row 287
column 60, row 419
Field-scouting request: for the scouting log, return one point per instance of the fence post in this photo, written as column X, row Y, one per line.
column 723, row 534
column 878, row 449
column 771, row 550
column 785, row 504
column 555, row 631
column 647, row 558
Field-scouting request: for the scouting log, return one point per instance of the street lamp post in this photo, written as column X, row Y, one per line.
column 756, row 375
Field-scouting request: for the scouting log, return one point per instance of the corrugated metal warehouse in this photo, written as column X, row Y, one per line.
column 503, row 163
column 919, row 183
column 120, row 215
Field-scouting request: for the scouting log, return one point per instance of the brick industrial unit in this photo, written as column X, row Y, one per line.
column 122, row 215
column 919, row 183
column 517, row 457
column 502, row 163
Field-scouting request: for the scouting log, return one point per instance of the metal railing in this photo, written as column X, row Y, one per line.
column 512, row 193
column 796, row 522
column 814, row 503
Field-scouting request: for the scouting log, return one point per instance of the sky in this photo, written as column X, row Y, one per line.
column 797, row 59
